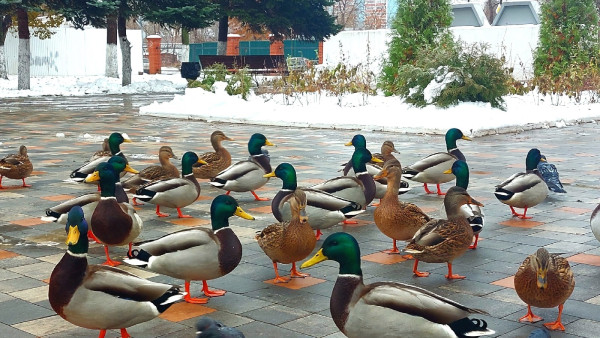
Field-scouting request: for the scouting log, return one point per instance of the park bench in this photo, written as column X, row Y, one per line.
column 256, row 64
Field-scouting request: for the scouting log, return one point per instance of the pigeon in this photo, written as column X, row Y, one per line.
column 209, row 328
column 540, row 333
column 550, row 175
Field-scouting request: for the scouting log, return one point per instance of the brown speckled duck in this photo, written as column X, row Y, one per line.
column 16, row 166
column 216, row 161
column 105, row 152
column 290, row 241
column 544, row 280
column 397, row 220
column 442, row 240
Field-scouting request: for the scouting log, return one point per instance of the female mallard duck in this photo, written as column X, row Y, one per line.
column 473, row 213
column 396, row 219
column 359, row 189
column 16, row 166
column 196, row 254
column 247, row 175
column 113, row 223
column 216, row 161
column 290, row 241
column 114, row 143
column 544, row 280
column 100, row 297
column 105, row 152
column 431, row 168
column 388, row 309
column 549, row 174
column 524, row 190
column 173, row 192
column 323, row 209
column 442, row 240
column 165, row 170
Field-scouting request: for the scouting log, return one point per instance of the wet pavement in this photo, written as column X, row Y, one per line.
column 29, row 247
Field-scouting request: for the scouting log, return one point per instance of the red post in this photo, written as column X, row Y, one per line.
column 233, row 44
column 154, row 54
column 276, row 47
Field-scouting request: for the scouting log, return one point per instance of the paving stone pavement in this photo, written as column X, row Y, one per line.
column 29, row 247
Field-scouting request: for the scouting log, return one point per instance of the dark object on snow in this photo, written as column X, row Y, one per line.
column 550, row 175
column 540, row 333
column 209, row 328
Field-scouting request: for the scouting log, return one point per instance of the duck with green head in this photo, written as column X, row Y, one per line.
column 359, row 189
column 101, row 297
column 323, row 209
column 247, row 175
column 389, row 309
column 431, row 168
column 524, row 190
column 173, row 192
column 473, row 213
column 114, row 143
column 198, row 253
column 114, row 223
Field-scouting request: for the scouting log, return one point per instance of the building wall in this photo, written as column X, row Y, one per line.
column 71, row 52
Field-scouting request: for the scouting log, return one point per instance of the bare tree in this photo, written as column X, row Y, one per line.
column 346, row 13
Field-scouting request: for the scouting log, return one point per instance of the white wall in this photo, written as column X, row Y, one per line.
column 71, row 52
column 516, row 43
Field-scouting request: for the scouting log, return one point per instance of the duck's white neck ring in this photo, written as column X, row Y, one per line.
column 348, row 275
column 81, row 255
column 453, row 149
column 362, row 173
column 108, row 198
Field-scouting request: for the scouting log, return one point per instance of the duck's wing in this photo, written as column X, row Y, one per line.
column 88, row 168
column 430, row 161
column 236, row 170
column 208, row 158
column 429, row 234
column 416, row 302
column 178, row 241
column 517, row 183
column 163, row 185
column 324, row 200
column 123, row 284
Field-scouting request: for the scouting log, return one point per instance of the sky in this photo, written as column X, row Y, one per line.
column 351, row 111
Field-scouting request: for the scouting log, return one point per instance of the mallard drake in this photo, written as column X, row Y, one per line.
column 549, row 174
column 359, row 189
column 247, row 175
column 442, row 240
column 473, row 213
column 173, row 192
column 198, row 253
column 165, row 170
column 114, row 142
column 216, row 161
column 524, row 190
column 388, row 309
column 544, row 280
column 290, row 241
column 16, row 166
column 113, row 223
column 105, row 152
column 100, row 297
column 396, row 219
column 431, row 168
column 89, row 201
column 323, row 209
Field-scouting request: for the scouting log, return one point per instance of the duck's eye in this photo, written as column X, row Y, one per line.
column 334, row 243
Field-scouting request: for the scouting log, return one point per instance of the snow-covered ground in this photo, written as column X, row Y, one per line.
column 348, row 112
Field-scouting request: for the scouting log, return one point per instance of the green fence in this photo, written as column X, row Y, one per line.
column 205, row 48
column 307, row 49
column 260, row 47
column 291, row 48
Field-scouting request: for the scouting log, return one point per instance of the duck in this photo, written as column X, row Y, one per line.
column 173, row 192
column 524, row 190
column 595, row 222
column 443, row 240
column 550, row 175
column 165, row 170
column 473, row 213
column 290, row 241
column 373, row 168
column 100, row 297
column 89, row 201
column 359, row 189
column 207, row 327
column 323, row 209
column 431, row 168
column 16, row 167
column 389, row 309
column 216, row 161
column 105, row 152
column 544, row 280
column 198, row 253
column 396, row 219
column 114, row 142
column 247, row 175
column 113, row 223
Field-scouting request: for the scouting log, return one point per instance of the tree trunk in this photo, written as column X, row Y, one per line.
column 112, row 62
column 125, row 51
column 185, row 45
column 24, row 51
column 4, row 25
column 222, row 40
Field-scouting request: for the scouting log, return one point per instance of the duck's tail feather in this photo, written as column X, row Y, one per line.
column 138, row 257
column 467, row 327
column 503, row 194
column 174, row 294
